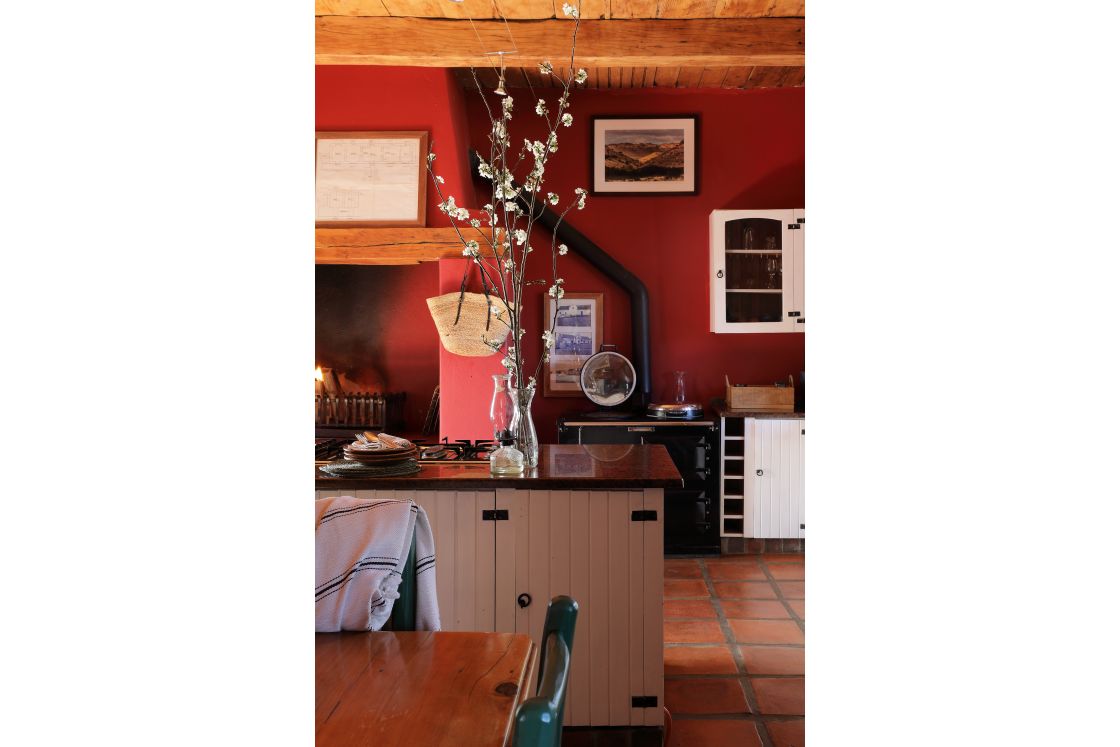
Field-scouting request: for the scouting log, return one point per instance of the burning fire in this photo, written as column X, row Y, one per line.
column 318, row 373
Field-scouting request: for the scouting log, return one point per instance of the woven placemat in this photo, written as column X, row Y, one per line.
column 357, row 469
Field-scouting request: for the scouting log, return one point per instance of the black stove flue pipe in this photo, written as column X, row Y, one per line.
column 606, row 264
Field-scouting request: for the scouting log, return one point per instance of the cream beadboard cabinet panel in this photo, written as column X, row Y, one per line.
column 762, row 477
column 464, row 552
column 605, row 550
column 778, row 485
column 757, row 281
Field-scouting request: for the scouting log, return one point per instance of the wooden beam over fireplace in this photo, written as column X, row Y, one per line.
column 386, row 246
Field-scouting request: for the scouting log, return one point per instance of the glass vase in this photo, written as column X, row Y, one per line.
column 501, row 410
column 524, row 432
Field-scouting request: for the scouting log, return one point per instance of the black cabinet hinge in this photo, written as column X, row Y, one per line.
column 643, row 701
column 800, row 220
column 500, row 514
column 800, row 321
column 802, row 526
column 794, row 226
column 793, row 313
column 643, row 516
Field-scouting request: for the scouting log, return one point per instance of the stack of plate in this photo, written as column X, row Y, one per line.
column 375, row 455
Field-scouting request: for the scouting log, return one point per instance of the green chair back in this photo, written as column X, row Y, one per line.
column 540, row 720
column 403, row 616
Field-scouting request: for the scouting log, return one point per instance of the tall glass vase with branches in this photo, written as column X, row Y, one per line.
column 500, row 249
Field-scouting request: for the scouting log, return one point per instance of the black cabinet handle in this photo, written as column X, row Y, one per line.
column 524, row 600
column 758, row 472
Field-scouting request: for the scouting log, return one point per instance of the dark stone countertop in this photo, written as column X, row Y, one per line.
column 561, row 467
column 722, row 411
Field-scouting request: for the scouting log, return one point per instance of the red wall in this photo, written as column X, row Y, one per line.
column 352, row 97
column 752, row 155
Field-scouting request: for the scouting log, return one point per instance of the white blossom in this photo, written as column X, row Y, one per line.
column 582, row 194
column 553, row 198
column 553, row 146
column 570, row 11
column 439, row 179
column 556, row 291
column 475, row 223
column 541, row 108
column 508, row 264
column 470, row 249
column 507, row 107
column 460, row 213
column 562, row 249
column 581, row 76
column 566, row 119
column 547, row 337
column 545, row 68
column 484, row 170
column 520, row 235
column 431, row 157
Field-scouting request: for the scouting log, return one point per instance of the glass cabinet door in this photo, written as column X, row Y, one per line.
column 757, row 278
column 753, row 257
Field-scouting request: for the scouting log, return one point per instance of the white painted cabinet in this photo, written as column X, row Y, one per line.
column 762, row 478
column 605, row 549
column 757, row 269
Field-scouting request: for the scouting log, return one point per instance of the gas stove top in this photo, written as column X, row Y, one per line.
column 464, row 451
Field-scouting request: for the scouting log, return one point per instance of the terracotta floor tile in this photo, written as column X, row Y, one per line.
column 693, row 631
column 787, row 571
column 720, row 559
column 699, row 660
column 675, row 587
column 784, row 557
column 773, row 659
column 705, row 696
column 792, row 589
column 736, row 572
column 744, row 590
column 714, row 733
column 798, row 606
column 683, row 568
column 787, row 733
column 785, row 696
column 766, row 631
column 754, row 609
column 689, row 608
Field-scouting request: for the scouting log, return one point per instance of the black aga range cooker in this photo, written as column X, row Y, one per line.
column 691, row 512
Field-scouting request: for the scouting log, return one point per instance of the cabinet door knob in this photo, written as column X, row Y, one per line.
column 524, row 600
column 719, row 274
column 758, row 472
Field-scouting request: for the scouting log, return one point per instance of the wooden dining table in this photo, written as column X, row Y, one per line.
column 419, row 688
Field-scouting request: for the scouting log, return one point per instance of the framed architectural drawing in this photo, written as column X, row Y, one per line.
column 370, row 178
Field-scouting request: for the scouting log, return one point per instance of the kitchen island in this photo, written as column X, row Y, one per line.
column 588, row 522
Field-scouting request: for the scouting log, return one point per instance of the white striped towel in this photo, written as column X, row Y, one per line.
column 361, row 546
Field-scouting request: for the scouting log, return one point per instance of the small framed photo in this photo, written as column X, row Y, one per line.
column 370, row 179
column 644, row 155
column 579, row 333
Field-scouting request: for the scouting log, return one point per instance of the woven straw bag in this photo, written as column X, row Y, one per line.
column 466, row 337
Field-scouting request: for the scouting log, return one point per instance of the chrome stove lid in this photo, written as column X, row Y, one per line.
column 675, row 411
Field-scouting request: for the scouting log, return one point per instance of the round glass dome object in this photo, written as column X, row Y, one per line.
column 608, row 378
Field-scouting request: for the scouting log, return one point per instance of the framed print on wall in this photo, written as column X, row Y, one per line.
column 370, row 179
column 644, row 155
column 579, row 333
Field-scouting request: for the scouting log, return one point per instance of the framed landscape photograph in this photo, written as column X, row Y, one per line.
column 644, row 155
column 370, row 179
column 579, row 333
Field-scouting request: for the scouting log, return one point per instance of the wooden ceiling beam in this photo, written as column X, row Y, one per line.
column 430, row 42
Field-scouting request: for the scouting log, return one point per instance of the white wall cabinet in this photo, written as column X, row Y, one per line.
column 605, row 549
column 762, row 478
column 757, row 269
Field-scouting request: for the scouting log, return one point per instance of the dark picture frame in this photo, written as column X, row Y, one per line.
column 575, row 343
column 645, row 155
